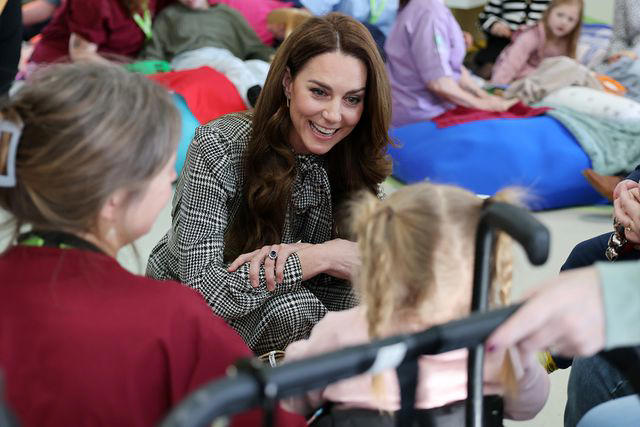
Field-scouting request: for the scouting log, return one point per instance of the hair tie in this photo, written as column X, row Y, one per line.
column 8, row 179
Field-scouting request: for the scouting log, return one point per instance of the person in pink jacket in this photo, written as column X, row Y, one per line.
column 555, row 35
column 417, row 250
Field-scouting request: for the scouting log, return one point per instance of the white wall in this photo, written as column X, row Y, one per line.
column 601, row 10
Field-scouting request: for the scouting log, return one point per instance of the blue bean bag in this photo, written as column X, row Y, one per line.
column 189, row 125
column 536, row 153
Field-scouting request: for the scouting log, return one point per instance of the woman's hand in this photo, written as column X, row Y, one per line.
column 566, row 316
column 501, row 29
column 81, row 49
column 339, row 258
column 496, row 103
column 273, row 267
column 626, row 207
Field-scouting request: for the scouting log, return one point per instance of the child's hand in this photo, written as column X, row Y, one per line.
column 501, row 29
column 616, row 56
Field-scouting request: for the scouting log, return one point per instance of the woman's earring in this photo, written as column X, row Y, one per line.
column 288, row 101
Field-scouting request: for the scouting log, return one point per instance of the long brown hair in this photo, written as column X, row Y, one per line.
column 574, row 35
column 80, row 143
column 359, row 161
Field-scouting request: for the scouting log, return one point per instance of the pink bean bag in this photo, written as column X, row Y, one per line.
column 255, row 12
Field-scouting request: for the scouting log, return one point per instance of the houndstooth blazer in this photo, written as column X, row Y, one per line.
column 208, row 196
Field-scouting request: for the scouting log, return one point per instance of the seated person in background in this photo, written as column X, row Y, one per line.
column 258, row 203
column 36, row 14
column 593, row 380
column 215, row 36
column 425, row 51
column 555, row 35
column 377, row 15
column 499, row 20
column 83, row 341
column 626, row 30
column 87, row 29
column 418, row 224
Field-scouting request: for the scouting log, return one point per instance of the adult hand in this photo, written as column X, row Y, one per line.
column 566, row 316
column 338, row 258
column 626, row 183
column 273, row 268
column 500, row 29
column 496, row 103
column 616, row 56
column 626, row 209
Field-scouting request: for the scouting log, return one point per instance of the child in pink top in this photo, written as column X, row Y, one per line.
column 417, row 250
column 555, row 35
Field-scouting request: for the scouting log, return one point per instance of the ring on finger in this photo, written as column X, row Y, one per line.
column 273, row 255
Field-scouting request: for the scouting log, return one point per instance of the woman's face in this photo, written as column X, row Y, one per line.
column 326, row 101
column 142, row 212
column 563, row 19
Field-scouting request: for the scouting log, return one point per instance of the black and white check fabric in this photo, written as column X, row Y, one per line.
column 207, row 198
column 515, row 13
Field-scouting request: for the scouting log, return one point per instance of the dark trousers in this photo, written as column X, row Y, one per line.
column 490, row 53
column 10, row 43
column 593, row 380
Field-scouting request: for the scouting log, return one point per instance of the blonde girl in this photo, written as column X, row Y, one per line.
column 555, row 35
column 417, row 249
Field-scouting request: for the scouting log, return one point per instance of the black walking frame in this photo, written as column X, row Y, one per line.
column 251, row 385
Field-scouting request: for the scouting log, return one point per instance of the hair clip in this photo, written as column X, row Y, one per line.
column 8, row 179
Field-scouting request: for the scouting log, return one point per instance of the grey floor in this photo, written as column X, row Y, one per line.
column 567, row 226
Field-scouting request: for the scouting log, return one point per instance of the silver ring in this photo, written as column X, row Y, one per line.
column 273, row 255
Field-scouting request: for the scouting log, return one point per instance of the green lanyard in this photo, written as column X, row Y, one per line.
column 144, row 23
column 376, row 10
column 56, row 239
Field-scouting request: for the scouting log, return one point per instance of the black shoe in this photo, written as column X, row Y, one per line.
column 252, row 95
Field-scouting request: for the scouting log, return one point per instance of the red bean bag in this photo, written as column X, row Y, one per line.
column 208, row 93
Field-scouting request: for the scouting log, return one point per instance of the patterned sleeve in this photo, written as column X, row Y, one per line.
column 207, row 198
column 491, row 13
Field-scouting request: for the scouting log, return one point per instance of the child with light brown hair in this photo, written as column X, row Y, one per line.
column 556, row 34
column 417, row 249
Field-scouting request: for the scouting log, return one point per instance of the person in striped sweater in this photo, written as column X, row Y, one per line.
column 499, row 20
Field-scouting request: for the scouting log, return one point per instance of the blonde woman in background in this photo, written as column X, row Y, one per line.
column 417, row 271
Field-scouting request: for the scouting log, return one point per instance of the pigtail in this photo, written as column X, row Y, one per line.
column 372, row 225
column 502, row 266
column 502, row 281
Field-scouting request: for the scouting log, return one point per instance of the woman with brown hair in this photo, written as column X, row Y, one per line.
column 257, row 207
column 83, row 341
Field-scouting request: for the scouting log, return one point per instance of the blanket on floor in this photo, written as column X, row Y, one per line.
column 612, row 145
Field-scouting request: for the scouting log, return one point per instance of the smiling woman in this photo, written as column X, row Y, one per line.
column 257, row 207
